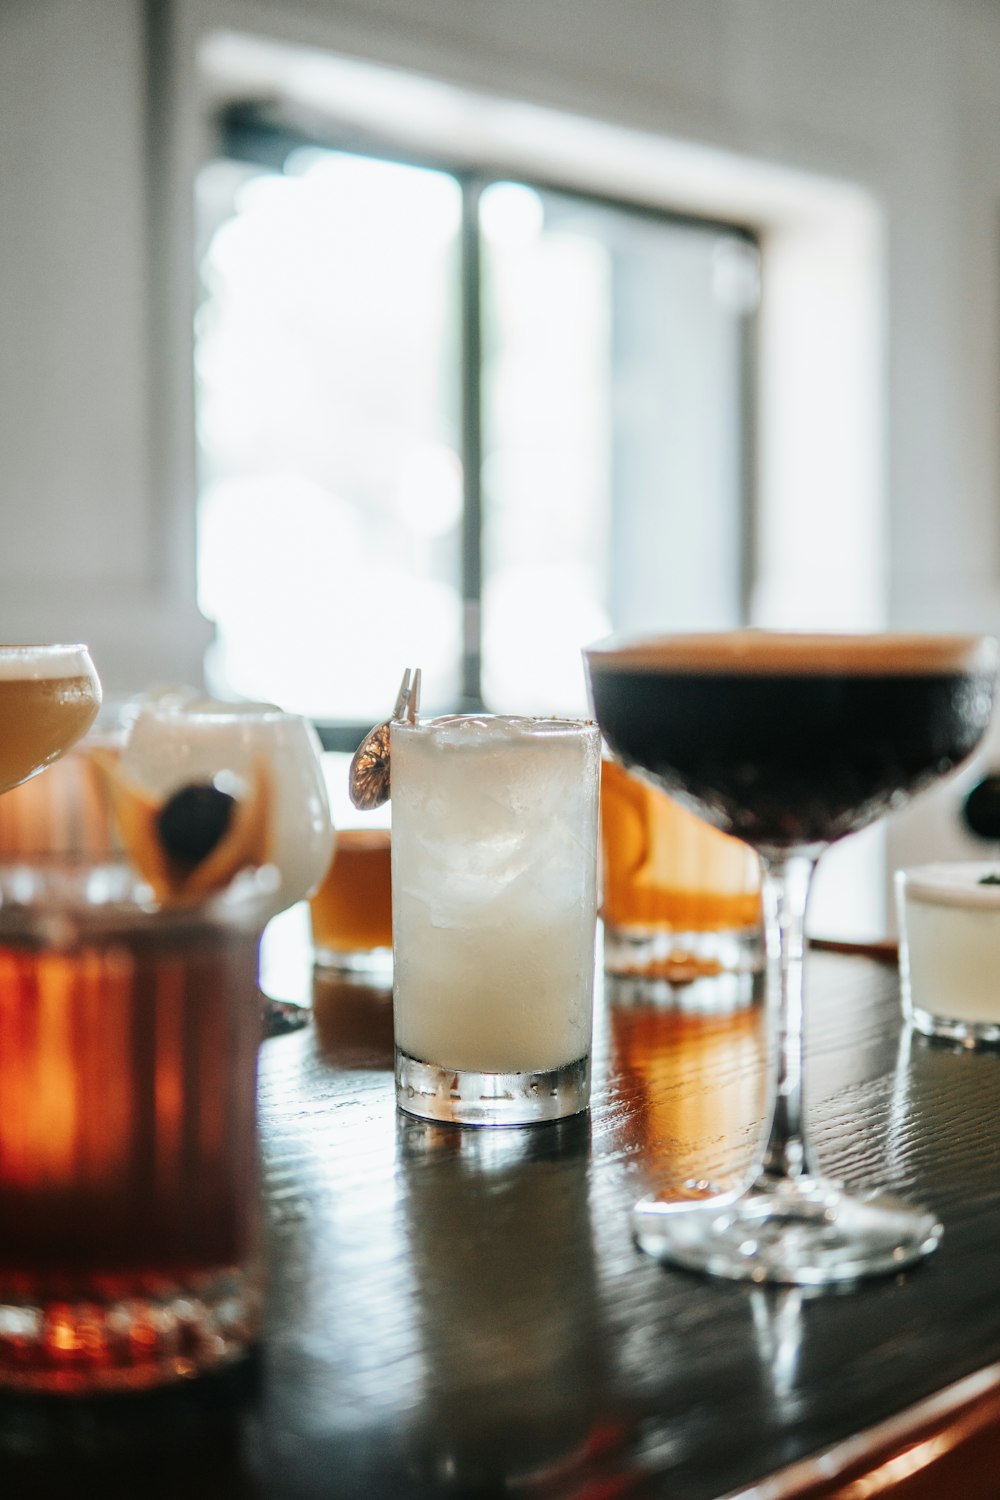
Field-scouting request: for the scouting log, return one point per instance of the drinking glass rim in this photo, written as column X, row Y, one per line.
column 220, row 710
column 559, row 723
column 953, row 882
column 44, row 654
column 758, row 651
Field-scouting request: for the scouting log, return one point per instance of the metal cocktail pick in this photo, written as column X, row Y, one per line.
column 368, row 778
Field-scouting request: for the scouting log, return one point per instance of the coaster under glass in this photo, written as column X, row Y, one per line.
column 464, row 1097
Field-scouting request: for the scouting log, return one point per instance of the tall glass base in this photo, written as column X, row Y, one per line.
column 89, row 1335
column 713, row 995
column 362, row 963
column 964, row 1033
column 680, row 956
column 802, row 1232
column 461, row 1097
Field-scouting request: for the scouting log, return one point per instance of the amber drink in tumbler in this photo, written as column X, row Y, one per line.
column 352, row 910
column 63, row 814
column 680, row 900
column 128, row 1174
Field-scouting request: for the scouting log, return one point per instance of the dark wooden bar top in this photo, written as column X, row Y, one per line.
column 462, row 1313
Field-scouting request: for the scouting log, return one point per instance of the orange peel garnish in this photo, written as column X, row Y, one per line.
column 244, row 844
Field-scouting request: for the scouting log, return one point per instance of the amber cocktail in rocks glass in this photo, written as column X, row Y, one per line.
column 49, row 697
column 129, row 1207
column 791, row 742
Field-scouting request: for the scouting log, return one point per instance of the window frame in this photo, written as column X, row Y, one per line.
column 259, row 134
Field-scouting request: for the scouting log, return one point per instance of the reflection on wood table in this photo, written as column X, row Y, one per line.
column 460, row 1312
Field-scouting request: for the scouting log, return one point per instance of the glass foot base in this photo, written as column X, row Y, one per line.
column 678, row 958
column 712, row 995
column 281, row 1016
column 965, row 1033
column 125, row 1334
column 806, row 1232
column 367, row 963
column 462, row 1097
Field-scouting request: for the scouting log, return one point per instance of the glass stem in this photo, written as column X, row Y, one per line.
column 785, row 891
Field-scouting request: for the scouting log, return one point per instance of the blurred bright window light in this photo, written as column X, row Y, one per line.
column 610, row 464
column 511, row 215
column 343, row 532
column 330, row 510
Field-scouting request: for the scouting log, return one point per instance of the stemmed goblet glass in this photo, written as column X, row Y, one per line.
column 178, row 739
column 790, row 742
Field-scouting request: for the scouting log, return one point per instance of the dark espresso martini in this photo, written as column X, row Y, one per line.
column 790, row 742
column 786, row 740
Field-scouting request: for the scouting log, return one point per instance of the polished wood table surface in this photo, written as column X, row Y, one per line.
column 462, row 1312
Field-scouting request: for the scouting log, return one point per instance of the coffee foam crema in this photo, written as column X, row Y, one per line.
column 777, row 653
column 42, row 663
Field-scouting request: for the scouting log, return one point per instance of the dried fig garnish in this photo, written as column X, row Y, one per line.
column 369, row 779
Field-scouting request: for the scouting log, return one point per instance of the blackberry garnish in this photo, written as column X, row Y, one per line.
column 193, row 822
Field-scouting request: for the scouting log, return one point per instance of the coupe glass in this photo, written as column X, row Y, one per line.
column 790, row 742
column 49, row 697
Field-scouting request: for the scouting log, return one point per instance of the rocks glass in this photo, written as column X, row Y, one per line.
column 128, row 1154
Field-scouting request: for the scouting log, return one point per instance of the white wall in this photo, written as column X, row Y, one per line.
column 96, row 527
column 96, row 454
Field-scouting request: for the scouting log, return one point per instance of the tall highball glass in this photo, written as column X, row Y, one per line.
column 791, row 742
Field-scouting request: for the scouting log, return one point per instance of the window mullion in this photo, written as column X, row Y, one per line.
column 471, row 342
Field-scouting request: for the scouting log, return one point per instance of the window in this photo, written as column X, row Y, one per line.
column 455, row 419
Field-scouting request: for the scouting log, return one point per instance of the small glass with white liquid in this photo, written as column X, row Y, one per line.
column 949, row 920
column 494, row 878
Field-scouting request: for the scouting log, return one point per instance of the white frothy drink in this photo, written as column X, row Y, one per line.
column 950, row 957
column 494, row 891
